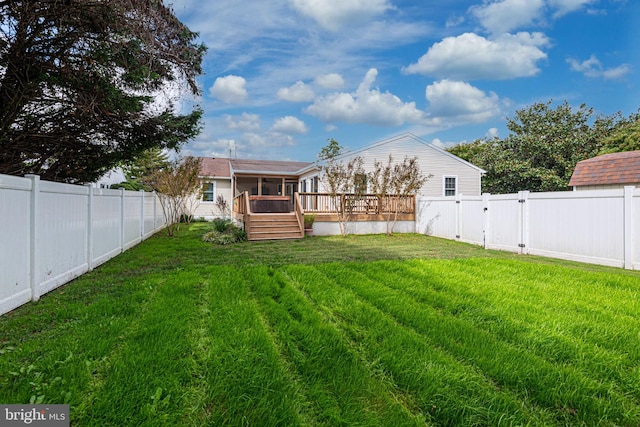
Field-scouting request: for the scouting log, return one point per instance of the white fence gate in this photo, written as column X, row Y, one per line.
column 51, row 233
column 598, row 227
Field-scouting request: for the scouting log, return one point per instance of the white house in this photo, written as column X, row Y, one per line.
column 450, row 174
column 279, row 180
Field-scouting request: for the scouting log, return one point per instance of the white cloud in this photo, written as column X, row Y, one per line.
column 460, row 102
column 290, row 125
column 298, row 92
column 330, row 81
column 470, row 57
column 245, row 122
column 437, row 142
column 507, row 15
column 492, row 133
column 365, row 105
column 564, row 7
column 454, row 21
column 230, row 89
column 334, row 14
column 252, row 141
column 592, row 67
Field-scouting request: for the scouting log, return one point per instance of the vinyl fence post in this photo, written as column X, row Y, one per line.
column 628, row 234
column 485, row 219
column 155, row 211
column 122, row 218
column 523, row 199
column 459, row 216
column 141, row 215
column 35, row 238
column 90, row 227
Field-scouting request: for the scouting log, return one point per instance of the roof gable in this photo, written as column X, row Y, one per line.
column 616, row 168
column 399, row 139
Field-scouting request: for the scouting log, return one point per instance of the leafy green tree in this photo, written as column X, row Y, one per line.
column 141, row 168
column 542, row 150
column 79, row 80
column 626, row 137
column 470, row 151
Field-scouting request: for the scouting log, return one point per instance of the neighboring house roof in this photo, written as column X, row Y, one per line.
column 608, row 169
column 215, row 167
column 267, row 166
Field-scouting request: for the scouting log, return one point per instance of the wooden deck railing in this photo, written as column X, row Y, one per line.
column 357, row 203
column 297, row 208
column 241, row 204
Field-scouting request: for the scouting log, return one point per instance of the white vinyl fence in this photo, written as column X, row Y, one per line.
column 50, row 233
column 598, row 227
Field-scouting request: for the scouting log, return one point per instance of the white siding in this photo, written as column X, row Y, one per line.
column 432, row 161
column 604, row 187
column 208, row 209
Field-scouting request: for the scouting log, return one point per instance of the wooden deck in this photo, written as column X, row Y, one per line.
column 272, row 225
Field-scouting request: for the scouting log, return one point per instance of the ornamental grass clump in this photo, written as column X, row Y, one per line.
column 225, row 232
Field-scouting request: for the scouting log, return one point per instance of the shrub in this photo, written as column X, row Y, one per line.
column 221, row 224
column 225, row 232
column 309, row 220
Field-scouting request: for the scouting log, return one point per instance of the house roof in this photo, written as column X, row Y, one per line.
column 409, row 135
column 267, row 166
column 616, row 168
column 218, row 167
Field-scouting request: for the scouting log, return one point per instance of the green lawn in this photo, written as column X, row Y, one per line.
column 367, row 330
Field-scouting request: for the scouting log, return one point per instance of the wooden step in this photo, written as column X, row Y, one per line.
column 274, row 226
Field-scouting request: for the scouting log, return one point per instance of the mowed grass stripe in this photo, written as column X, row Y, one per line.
column 247, row 382
column 576, row 397
column 144, row 385
column 522, row 317
column 342, row 390
column 56, row 349
column 447, row 391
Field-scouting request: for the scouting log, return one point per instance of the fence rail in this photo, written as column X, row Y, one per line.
column 53, row 232
column 599, row 227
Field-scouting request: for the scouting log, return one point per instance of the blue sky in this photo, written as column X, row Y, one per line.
column 283, row 76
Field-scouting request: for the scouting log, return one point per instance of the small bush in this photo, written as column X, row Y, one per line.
column 225, row 232
column 221, row 224
column 309, row 220
column 240, row 234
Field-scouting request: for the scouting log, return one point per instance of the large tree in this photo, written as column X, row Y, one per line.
column 542, row 150
column 626, row 137
column 80, row 82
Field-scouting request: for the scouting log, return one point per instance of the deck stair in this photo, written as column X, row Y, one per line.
column 273, row 226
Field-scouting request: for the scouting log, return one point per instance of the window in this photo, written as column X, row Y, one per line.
column 450, row 185
column 315, row 184
column 360, row 181
column 209, row 192
column 304, row 185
